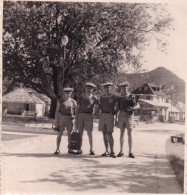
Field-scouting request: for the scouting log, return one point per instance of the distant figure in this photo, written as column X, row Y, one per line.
column 127, row 104
column 84, row 116
column 64, row 116
column 108, row 107
column 5, row 110
column 35, row 117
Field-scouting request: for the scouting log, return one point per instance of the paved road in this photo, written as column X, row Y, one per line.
column 27, row 129
column 28, row 165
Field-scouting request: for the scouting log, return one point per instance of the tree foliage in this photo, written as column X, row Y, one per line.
column 102, row 37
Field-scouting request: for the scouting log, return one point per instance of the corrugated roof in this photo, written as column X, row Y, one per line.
column 155, row 92
column 42, row 97
column 21, row 95
column 154, row 103
column 151, row 84
column 173, row 109
column 150, row 90
column 181, row 106
column 158, row 104
column 35, row 98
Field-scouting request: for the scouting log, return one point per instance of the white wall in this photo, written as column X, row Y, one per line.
column 40, row 109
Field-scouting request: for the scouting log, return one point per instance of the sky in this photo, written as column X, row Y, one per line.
column 176, row 57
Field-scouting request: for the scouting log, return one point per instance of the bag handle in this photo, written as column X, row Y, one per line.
column 74, row 130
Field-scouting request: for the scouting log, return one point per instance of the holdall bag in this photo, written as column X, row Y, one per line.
column 74, row 140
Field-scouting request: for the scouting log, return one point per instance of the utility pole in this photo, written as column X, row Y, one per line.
column 171, row 101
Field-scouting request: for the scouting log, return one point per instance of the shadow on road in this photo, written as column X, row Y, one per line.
column 95, row 174
column 158, row 131
column 46, row 155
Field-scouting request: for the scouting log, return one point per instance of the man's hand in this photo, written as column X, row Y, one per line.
column 129, row 109
column 116, row 123
column 55, row 124
column 95, row 116
column 56, row 128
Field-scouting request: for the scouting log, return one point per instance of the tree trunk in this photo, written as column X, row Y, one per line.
column 53, row 108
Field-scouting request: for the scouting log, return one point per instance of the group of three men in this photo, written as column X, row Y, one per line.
column 112, row 110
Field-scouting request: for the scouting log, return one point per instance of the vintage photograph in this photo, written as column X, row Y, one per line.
column 93, row 97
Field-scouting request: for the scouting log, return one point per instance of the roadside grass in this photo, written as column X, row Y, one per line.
column 43, row 125
column 175, row 152
column 25, row 119
column 9, row 137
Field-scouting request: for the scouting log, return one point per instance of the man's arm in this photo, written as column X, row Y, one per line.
column 137, row 106
column 57, row 115
column 96, row 108
column 116, row 111
column 73, row 111
column 76, row 115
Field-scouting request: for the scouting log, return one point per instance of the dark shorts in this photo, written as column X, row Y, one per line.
column 65, row 121
column 106, row 122
column 125, row 120
column 85, row 121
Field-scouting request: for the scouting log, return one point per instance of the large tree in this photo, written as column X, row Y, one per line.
column 49, row 45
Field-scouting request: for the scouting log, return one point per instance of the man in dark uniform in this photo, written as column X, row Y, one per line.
column 127, row 103
column 64, row 116
column 108, row 106
column 84, row 115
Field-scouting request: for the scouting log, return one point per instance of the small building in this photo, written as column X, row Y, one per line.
column 174, row 113
column 22, row 102
column 153, row 103
column 150, row 91
column 44, row 98
column 181, row 107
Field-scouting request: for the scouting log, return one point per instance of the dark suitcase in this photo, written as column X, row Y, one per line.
column 74, row 141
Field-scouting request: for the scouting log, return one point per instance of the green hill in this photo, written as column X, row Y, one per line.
column 161, row 77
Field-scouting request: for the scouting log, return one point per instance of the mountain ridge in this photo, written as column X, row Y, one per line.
column 163, row 78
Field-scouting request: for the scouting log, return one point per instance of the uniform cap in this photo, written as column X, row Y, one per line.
column 68, row 89
column 124, row 84
column 91, row 85
column 107, row 84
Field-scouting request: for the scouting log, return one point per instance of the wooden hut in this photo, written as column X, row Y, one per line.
column 22, row 102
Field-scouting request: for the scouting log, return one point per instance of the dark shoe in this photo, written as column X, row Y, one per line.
column 70, row 151
column 79, row 152
column 92, row 153
column 131, row 155
column 120, row 154
column 57, row 152
column 105, row 154
column 112, row 155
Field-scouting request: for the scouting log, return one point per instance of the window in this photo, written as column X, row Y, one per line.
column 27, row 107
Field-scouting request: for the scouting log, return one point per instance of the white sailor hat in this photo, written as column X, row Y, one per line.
column 90, row 85
column 123, row 84
column 107, row 84
column 68, row 89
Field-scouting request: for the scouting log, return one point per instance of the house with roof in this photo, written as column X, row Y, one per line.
column 181, row 107
column 23, row 102
column 153, row 103
column 44, row 98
